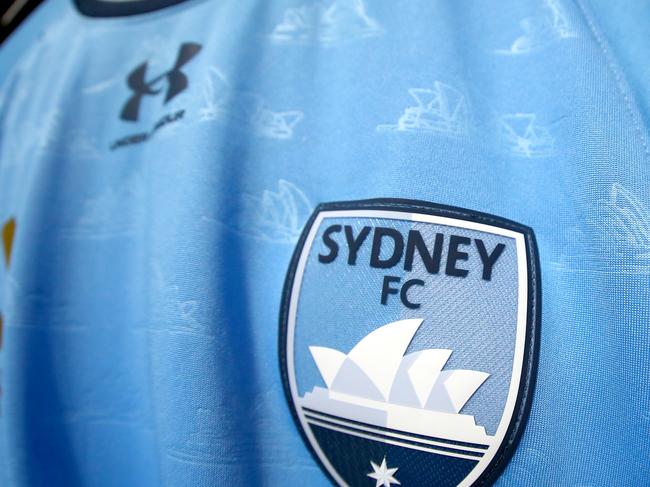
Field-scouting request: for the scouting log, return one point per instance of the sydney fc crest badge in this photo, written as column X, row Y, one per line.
column 408, row 341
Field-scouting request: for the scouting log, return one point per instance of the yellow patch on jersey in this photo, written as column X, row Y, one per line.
column 8, row 231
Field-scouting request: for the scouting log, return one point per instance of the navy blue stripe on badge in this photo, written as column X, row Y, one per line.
column 403, row 440
column 440, row 450
column 309, row 411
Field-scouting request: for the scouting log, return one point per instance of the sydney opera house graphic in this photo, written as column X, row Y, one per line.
column 377, row 392
column 442, row 109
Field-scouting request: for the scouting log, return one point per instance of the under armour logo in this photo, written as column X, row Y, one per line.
column 176, row 81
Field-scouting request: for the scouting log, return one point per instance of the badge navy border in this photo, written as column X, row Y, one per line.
column 530, row 360
column 104, row 8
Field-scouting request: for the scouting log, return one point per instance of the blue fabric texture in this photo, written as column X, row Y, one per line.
column 140, row 301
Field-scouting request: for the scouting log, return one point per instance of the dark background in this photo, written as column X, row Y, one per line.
column 12, row 13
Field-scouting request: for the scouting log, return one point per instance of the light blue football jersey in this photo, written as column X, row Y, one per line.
column 157, row 171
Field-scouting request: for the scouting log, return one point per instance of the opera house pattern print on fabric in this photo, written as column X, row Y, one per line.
column 327, row 24
column 442, row 109
column 376, row 383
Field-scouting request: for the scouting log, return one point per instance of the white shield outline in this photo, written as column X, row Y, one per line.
column 523, row 375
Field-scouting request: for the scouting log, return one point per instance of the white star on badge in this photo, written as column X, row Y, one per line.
column 383, row 475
